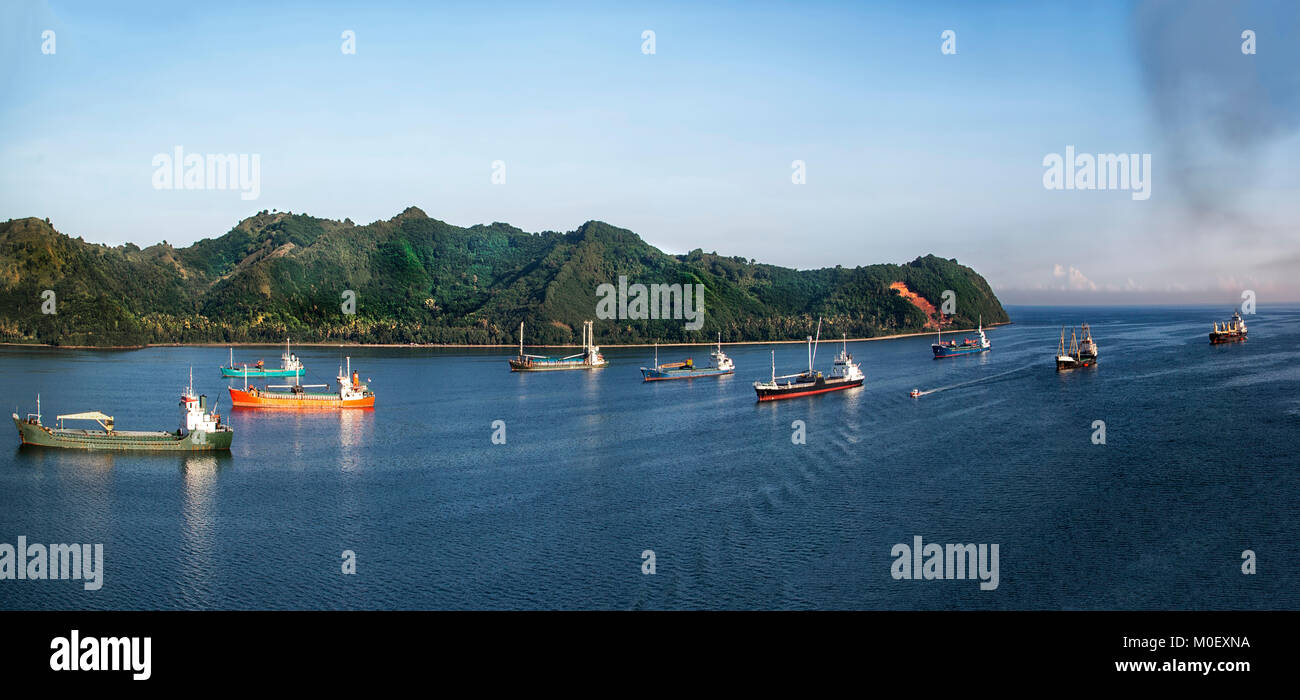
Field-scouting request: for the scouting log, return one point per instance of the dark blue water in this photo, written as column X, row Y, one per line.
column 1200, row 463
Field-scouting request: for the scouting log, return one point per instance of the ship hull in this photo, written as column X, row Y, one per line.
column 122, row 441
column 296, row 402
column 791, row 391
column 1063, row 366
column 1221, row 338
column 260, row 373
column 661, row 375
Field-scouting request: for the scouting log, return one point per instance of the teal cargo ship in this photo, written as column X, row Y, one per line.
column 199, row 431
column 968, row 346
column 589, row 358
column 290, row 366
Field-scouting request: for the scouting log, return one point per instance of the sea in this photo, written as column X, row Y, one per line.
column 1163, row 478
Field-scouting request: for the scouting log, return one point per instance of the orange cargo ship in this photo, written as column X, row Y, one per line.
column 352, row 393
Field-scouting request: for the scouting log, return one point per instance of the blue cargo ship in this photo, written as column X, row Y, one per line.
column 968, row 346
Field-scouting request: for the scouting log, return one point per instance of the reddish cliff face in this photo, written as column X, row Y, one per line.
column 920, row 302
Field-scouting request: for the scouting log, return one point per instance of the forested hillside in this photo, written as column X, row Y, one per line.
column 420, row 280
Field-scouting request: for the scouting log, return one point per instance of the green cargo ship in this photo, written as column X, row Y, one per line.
column 199, row 431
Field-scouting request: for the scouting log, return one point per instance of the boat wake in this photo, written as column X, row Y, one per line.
column 981, row 380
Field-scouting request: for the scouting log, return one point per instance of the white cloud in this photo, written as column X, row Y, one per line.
column 1073, row 278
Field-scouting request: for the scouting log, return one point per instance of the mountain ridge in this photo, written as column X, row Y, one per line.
column 417, row 279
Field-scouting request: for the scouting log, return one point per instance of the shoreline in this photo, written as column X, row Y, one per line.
column 460, row 346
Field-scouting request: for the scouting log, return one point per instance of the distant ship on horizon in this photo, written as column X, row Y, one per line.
column 1231, row 331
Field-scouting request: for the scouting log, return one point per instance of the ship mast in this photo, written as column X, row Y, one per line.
column 774, row 367
column 813, row 359
column 521, row 339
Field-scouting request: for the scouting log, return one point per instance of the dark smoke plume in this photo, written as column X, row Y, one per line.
column 1219, row 111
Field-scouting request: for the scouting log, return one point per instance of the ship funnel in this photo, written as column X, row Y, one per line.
column 203, row 402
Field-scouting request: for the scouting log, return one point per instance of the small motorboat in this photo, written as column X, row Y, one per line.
column 916, row 393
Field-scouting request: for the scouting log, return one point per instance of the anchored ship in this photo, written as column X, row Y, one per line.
column 687, row 370
column 968, row 346
column 352, row 393
column 1231, row 331
column 845, row 374
column 1076, row 356
column 200, row 430
column 589, row 358
column 1087, row 346
column 290, row 366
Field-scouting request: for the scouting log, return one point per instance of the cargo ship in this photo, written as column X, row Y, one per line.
column 968, row 346
column 845, row 374
column 352, row 393
column 1087, row 346
column 722, row 365
column 589, row 358
column 200, row 430
column 1075, row 357
column 290, row 366
column 1231, row 331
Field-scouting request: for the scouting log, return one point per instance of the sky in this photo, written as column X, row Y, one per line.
column 547, row 115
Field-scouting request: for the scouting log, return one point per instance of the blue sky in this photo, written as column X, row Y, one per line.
column 908, row 151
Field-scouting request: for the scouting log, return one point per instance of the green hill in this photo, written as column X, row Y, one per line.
column 420, row 280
